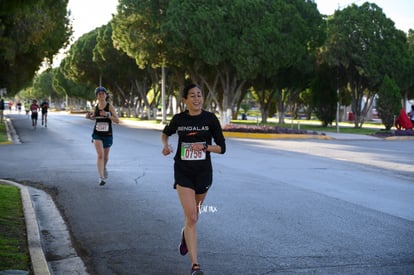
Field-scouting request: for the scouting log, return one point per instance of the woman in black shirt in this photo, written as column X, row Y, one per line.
column 193, row 173
column 103, row 115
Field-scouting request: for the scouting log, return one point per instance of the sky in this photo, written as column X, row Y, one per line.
column 90, row 14
column 87, row 15
column 399, row 11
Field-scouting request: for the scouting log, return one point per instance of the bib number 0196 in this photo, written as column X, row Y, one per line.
column 188, row 154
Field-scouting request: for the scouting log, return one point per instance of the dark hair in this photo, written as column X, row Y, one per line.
column 188, row 88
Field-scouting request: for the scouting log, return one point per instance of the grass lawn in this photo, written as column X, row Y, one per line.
column 14, row 254
column 3, row 133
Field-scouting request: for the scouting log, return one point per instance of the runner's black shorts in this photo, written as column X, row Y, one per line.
column 106, row 140
column 197, row 175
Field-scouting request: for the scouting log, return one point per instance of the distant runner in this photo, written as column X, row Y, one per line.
column 34, row 109
column 44, row 106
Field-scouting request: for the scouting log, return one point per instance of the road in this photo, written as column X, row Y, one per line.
column 276, row 206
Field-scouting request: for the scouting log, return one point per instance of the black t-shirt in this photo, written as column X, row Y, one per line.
column 201, row 128
column 44, row 105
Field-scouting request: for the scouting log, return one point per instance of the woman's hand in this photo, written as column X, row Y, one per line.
column 103, row 113
column 89, row 115
column 198, row 147
column 167, row 149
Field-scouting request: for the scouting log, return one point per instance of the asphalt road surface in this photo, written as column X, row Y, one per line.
column 276, row 206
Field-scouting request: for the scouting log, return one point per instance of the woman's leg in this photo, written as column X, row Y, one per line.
column 106, row 158
column 106, row 155
column 191, row 204
column 44, row 119
column 100, row 162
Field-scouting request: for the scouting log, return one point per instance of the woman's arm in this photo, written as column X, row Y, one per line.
column 214, row 149
column 114, row 117
column 90, row 115
column 166, row 148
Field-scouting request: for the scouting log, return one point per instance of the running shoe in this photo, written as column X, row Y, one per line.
column 102, row 182
column 105, row 173
column 196, row 270
column 183, row 246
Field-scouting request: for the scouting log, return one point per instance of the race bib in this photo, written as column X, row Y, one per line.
column 188, row 154
column 102, row 126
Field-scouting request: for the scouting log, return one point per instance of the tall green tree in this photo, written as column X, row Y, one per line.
column 43, row 85
column 65, row 86
column 31, row 32
column 389, row 102
column 407, row 89
column 79, row 65
column 137, row 32
column 363, row 46
column 127, row 81
column 232, row 42
column 324, row 95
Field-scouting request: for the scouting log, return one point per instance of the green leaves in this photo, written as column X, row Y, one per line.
column 363, row 46
column 30, row 32
column 389, row 102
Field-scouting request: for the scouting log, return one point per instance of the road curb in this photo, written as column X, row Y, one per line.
column 11, row 133
column 37, row 256
column 399, row 138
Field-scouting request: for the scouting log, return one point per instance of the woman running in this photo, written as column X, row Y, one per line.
column 103, row 115
column 34, row 108
column 193, row 173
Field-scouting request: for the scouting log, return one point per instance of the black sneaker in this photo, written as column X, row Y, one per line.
column 183, row 246
column 102, row 182
column 196, row 270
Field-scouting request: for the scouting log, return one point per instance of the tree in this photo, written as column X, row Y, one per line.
column 30, row 32
column 363, row 46
column 78, row 65
column 407, row 88
column 64, row 86
column 129, row 83
column 137, row 32
column 324, row 95
column 43, row 85
column 239, row 40
column 389, row 102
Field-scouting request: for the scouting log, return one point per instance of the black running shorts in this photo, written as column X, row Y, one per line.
column 197, row 175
